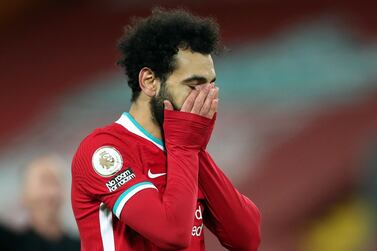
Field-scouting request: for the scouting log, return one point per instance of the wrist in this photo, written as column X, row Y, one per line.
column 210, row 130
column 186, row 129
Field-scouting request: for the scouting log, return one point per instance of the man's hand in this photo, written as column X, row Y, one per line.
column 203, row 101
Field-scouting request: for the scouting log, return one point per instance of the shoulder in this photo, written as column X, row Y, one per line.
column 109, row 146
column 111, row 135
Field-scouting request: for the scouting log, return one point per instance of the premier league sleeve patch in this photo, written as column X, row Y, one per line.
column 107, row 161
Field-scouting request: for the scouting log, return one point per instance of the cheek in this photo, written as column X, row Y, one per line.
column 180, row 94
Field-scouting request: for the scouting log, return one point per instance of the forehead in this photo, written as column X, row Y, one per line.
column 190, row 63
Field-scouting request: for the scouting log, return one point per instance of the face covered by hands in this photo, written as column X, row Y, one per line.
column 203, row 101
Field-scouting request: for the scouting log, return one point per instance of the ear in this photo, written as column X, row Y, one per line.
column 148, row 82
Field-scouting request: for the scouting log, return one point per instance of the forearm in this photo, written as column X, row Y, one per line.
column 167, row 220
column 233, row 217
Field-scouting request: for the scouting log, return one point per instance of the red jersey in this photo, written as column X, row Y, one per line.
column 132, row 192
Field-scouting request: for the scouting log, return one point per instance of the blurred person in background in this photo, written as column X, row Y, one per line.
column 42, row 198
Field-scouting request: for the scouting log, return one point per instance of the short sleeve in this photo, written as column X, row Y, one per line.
column 105, row 170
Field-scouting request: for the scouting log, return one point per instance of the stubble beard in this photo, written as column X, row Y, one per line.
column 157, row 105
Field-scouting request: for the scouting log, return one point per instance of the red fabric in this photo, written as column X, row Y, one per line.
column 232, row 217
column 168, row 220
column 151, row 219
column 171, row 213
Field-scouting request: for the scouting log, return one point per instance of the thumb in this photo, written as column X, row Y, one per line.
column 168, row 105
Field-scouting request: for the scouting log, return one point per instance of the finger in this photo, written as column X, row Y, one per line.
column 213, row 110
column 217, row 92
column 200, row 87
column 189, row 102
column 207, row 103
column 168, row 105
column 200, row 100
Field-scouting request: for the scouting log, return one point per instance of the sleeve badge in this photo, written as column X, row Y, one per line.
column 107, row 161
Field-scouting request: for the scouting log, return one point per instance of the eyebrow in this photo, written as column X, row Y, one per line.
column 196, row 78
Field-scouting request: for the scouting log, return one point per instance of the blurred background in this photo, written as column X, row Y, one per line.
column 297, row 126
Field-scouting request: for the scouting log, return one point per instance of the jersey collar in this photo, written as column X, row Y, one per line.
column 128, row 122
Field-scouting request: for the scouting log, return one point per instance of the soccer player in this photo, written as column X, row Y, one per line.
column 146, row 181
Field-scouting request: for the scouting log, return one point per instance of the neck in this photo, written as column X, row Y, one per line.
column 141, row 112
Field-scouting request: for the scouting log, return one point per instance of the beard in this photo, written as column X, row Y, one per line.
column 157, row 104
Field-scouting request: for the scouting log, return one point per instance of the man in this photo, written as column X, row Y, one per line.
column 146, row 181
column 42, row 198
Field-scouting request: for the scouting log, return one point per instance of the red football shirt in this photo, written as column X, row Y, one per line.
column 111, row 166
column 132, row 192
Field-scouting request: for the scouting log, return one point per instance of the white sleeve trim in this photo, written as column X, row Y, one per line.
column 127, row 195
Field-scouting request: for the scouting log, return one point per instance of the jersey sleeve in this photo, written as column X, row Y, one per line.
column 107, row 172
column 229, row 211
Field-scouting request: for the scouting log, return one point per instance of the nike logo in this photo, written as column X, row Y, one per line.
column 154, row 175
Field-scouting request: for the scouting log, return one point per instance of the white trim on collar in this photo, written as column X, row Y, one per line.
column 128, row 122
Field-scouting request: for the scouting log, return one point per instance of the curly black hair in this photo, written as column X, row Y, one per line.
column 154, row 41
